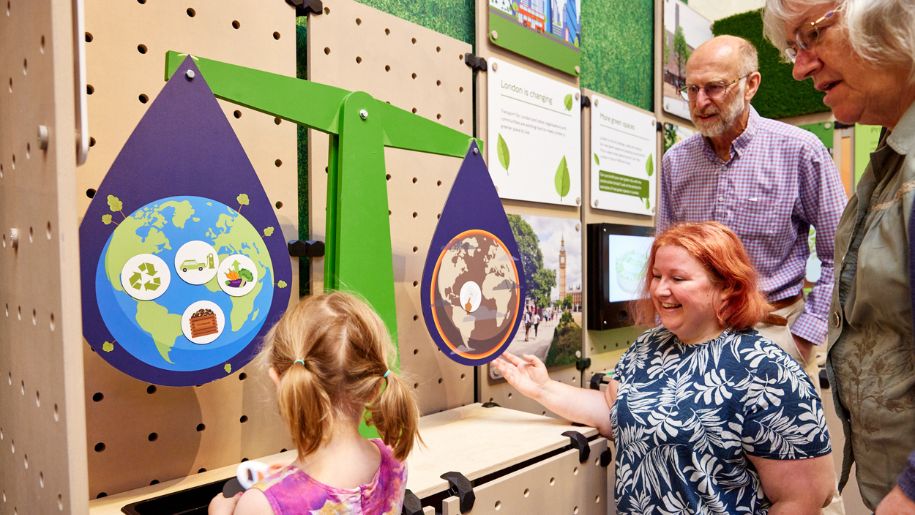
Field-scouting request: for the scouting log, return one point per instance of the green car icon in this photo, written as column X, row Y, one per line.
column 191, row 264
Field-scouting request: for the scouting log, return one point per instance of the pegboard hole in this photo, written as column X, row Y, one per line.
column 413, row 110
column 41, row 46
column 191, row 12
column 11, row 84
column 415, row 318
column 60, row 502
column 438, row 183
column 32, row 239
column 596, row 499
column 438, row 82
column 358, row 21
column 575, row 510
column 236, row 25
column 25, row 66
column 37, row 399
column 25, row 461
column 91, row 141
column 438, row 50
column 41, row 479
column 415, row 284
column 463, row 375
column 101, row 495
column 498, row 505
column 152, row 437
column 12, row 446
column 98, row 396
column 440, row 380
column 143, row 98
column 243, row 419
column 90, row 192
column 415, row 386
column 56, row 414
column 327, row 50
column 552, row 481
column 509, row 395
column 415, row 249
column 201, row 427
column 28, row 150
column 358, row 60
column 279, row 204
column 527, row 492
column 242, row 376
column 141, row 2
column 387, row 67
column 461, row 89
column 13, row 163
column 151, row 389
column 201, row 470
column 51, row 324
column 413, row 40
column 236, row 113
column 327, row 10
column 278, row 163
column 34, row 312
column 387, row 32
column 387, row 176
column 100, row 447
column 142, row 48
column 90, row 89
column 276, row 35
column 89, row 37
column 415, row 214
column 438, row 116
column 48, row 230
column 154, row 482
column 575, row 471
column 413, row 75
column 461, row 121
column 19, row 313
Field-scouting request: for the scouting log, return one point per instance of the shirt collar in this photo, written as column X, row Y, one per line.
column 741, row 142
column 902, row 139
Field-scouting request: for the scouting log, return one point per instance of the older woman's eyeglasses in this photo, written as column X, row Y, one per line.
column 713, row 90
column 808, row 35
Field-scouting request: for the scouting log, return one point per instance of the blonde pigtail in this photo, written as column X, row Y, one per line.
column 396, row 416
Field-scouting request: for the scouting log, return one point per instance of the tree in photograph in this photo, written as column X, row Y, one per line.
column 683, row 52
column 539, row 280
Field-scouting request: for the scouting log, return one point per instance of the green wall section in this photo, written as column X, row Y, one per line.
column 617, row 45
column 453, row 18
column 779, row 96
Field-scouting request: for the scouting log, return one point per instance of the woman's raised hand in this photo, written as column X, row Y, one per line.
column 527, row 374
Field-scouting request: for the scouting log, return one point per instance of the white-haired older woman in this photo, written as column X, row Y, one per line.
column 861, row 53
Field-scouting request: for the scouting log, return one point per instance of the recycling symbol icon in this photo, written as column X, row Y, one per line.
column 145, row 276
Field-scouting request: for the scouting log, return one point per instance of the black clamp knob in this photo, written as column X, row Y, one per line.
column 606, row 457
column 411, row 504
column 474, row 62
column 597, row 380
column 462, row 488
column 306, row 7
column 581, row 364
column 580, row 442
column 491, row 404
column 306, row 248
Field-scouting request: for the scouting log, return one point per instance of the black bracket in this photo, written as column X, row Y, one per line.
column 824, row 379
column 491, row 404
column 306, row 7
column 582, row 363
column 232, row 487
column 307, row 248
column 597, row 380
column 659, row 127
column 585, row 101
column 606, row 457
column 475, row 63
column 411, row 504
column 580, row 442
column 461, row 487
column 839, row 125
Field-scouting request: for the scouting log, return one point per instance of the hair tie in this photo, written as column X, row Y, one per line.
column 387, row 373
column 299, row 362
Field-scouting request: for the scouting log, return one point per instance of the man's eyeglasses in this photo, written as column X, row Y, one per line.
column 808, row 35
column 713, row 90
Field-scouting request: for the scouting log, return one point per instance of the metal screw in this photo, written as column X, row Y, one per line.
column 475, row 151
column 577, row 201
column 577, row 70
column 594, row 101
column 363, row 114
column 190, row 74
column 577, row 227
column 43, row 137
column 14, row 237
column 596, row 203
column 577, row 96
column 494, row 35
column 495, row 67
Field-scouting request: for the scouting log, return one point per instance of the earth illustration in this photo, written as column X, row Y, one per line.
column 155, row 308
column 477, row 294
column 630, row 272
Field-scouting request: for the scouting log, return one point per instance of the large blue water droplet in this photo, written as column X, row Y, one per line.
column 184, row 316
column 473, row 282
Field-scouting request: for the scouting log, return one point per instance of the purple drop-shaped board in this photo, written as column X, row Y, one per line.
column 181, row 177
column 473, row 282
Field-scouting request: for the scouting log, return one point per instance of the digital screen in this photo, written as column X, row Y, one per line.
column 627, row 257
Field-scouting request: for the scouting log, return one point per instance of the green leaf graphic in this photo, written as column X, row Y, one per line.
column 649, row 166
column 106, row 219
column 114, row 204
column 228, row 368
column 596, row 159
column 568, row 102
column 562, row 179
column 242, row 199
column 502, row 151
column 269, row 230
column 281, row 284
column 107, row 346
column 647, row 204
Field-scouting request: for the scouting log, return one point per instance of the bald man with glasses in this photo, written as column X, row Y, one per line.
column 766, row 180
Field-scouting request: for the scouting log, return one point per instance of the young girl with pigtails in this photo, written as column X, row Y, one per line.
column 328, row 357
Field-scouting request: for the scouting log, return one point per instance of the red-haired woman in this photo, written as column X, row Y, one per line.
column 708, row 416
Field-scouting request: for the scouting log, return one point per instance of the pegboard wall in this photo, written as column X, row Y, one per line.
column 175, row 432
column 42, row 427
column 358, row 48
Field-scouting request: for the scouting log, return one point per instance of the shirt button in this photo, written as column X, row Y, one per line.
column 836, row 319
column 721, row 198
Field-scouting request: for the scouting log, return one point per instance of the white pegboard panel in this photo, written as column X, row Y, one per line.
column 174, row 432
column 358, row 48
column 560, row 484
column 42, row 427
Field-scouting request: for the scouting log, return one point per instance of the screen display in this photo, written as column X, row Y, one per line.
column 627, row 258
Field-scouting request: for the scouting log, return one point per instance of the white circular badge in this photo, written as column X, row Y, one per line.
column 237, row 275
column 203, row 322
column 470, row 296
column 145, row 276
column 196, row 262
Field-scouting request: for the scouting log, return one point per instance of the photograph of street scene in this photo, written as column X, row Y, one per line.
column 550, row 251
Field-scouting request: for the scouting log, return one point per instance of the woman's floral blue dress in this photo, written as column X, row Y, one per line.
column 687, row 417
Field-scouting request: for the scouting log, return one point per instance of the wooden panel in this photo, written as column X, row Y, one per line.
column 555, row 485
column 174, row 432
column 42, row 427
column 361, row 49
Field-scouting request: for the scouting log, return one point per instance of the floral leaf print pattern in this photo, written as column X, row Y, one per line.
column 687, row 417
